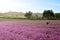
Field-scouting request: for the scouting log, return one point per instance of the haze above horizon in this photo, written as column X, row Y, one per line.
column 29, row 5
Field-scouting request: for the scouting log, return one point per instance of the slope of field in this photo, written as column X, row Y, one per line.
column 30, row 30
column 12, row 15
column 17, row 15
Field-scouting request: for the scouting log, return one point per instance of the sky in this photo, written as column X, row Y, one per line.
column 29, row 5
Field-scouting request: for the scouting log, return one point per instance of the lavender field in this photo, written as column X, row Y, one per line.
column 30, row 30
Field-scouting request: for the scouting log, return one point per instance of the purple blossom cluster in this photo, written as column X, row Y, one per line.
column 29, row 30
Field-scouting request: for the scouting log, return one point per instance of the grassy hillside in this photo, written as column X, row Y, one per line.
column 18, row 15
column 12, row 15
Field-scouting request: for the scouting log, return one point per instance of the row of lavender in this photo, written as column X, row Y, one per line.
column 29, row 30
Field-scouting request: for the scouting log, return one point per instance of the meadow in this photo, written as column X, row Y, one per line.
column 29, row 30
column 18, row 15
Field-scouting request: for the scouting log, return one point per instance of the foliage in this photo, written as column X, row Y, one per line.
column 28, row 14
column 57, row 15
column 35, row 17
column 48, row 14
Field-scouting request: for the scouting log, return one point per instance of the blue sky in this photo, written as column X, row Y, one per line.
column 29, row 5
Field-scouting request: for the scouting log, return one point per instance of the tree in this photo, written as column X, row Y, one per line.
column 28, row 14
column 57, row 15
column 48, row 14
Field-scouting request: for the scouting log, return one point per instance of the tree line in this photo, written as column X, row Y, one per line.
column 46, row 15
